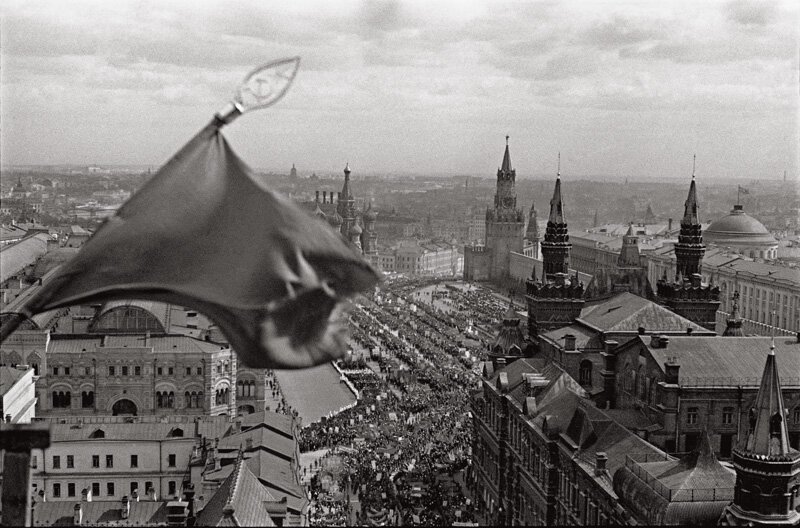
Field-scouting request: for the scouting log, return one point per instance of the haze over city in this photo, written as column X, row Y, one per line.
column 625, row 89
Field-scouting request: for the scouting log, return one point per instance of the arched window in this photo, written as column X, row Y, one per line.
column 240, row 388
column 187, row 400
column 87, row 399
column 585, row 372
column 252, row 388
column 171, row 400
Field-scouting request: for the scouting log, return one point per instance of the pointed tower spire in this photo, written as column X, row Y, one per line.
column 556, row 245
column 690, row 249
column 768, row 435
column 766, row 466
column 556, row 203
column 506, row 166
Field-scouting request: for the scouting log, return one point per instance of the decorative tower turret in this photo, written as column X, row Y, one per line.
column 733, row 326
column 687, row 295
column 347, row 205
column 629, row 254
column 690, row 249
column 767, row 468
column 505, row 223
column 369, row 239
column 532, row 234
column 555, row 299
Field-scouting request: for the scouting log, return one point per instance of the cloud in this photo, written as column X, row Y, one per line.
column 620, row 31
column 751, row 12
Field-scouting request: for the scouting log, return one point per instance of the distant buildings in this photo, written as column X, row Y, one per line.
column 423, row 258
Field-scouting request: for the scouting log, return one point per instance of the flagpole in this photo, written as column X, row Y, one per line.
column 262, row 87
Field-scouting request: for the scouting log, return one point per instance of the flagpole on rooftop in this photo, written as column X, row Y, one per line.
column 264, row 86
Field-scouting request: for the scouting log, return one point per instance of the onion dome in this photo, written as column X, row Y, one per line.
column 337, row 219
column 356, row 229
column 370, row 215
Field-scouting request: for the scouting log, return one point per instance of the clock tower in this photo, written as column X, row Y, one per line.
column 505, row 222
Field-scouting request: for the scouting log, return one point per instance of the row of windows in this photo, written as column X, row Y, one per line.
column 124, row 370
column 692, row 414
column 164, row 400
column 172, row 488
column 245, row 388
column 134, row 461
column 63, row 400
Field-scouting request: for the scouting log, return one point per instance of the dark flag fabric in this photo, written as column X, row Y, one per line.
column 204, row 234
column 744, row 190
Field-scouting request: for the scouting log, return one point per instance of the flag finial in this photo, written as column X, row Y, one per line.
column 558, row 174
column 694, row 164
column 507, row 136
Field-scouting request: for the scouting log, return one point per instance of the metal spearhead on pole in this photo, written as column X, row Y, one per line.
column 262, row 87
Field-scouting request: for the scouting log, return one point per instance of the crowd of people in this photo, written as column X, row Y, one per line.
column 406, row 443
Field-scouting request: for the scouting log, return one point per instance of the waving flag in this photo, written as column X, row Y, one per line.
column 203, row 234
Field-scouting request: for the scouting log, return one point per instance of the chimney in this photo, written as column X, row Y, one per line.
column 600, row 459
column 642, row 330
column 237, row 424
column 689, row 330
column 655, row 341
column 316, row 199
column 669, row 224
column 664, row 340
column 671, row 369
column 569, row 342
column 248, row 443
column 77, row 515
column 188, row 495
column 126, row 507
column 324, row 197
column 338, row 197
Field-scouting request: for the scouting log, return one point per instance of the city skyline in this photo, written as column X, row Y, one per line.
column 624, row 89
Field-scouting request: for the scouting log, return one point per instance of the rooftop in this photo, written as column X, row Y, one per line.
column 727, row 361
column 627, row 312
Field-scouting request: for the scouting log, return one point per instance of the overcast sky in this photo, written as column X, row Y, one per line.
column 620, row 88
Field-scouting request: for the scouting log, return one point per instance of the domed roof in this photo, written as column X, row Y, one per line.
column 356, row 229
column 738, row 228
column 370, row 214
